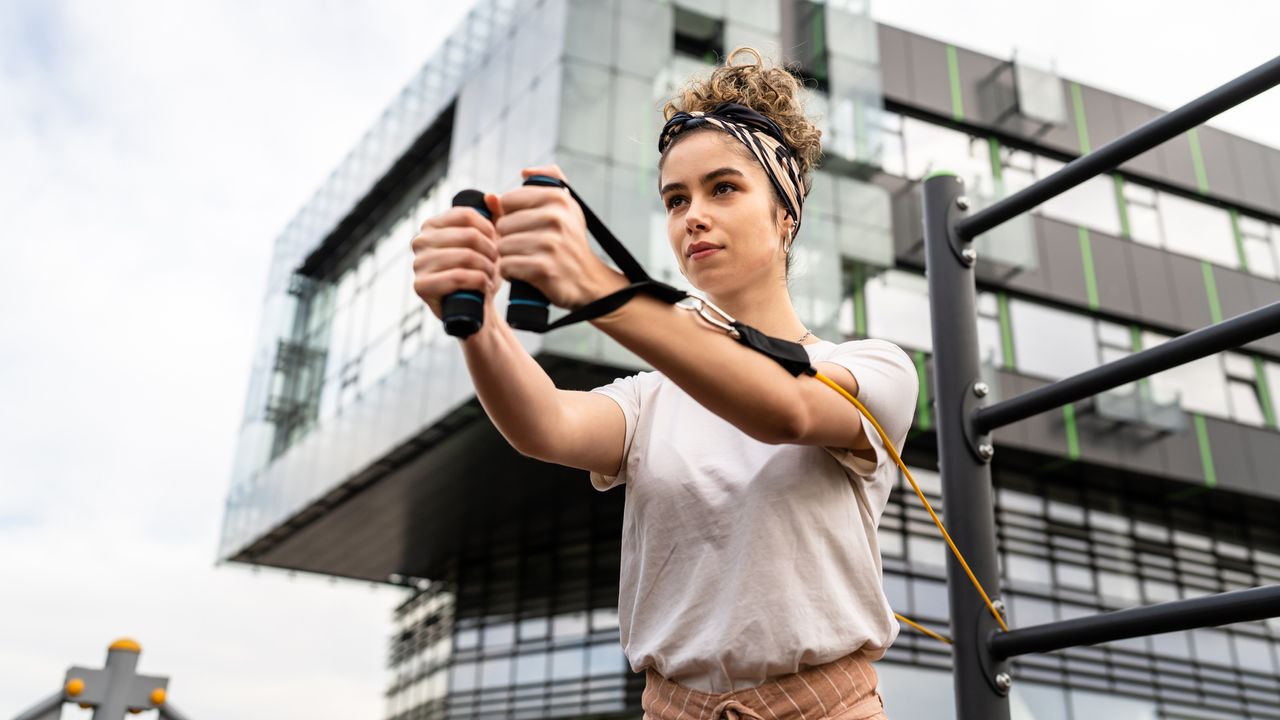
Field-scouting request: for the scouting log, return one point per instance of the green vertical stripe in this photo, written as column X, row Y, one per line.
column 1206, row 454
column 1082, row 125
column 922, row 400
column 997, row 167
column 1211, row 289
column 1197, row 161
column 859, row 302
column 1264, row 392
column 1073, row 439
column 1122, row 206
column 1239, row 236
column 1090, row 278
column 953, row 72
column 1006, row 331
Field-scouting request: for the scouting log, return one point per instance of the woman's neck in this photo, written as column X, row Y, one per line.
column 765, row 307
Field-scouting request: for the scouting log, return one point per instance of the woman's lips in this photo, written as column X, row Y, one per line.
column 701, row 254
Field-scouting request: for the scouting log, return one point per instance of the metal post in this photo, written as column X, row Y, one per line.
column 981, row 681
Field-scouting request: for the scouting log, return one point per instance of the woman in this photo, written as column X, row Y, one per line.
column 750, row 581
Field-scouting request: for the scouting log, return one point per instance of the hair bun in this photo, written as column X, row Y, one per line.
column 770, row 90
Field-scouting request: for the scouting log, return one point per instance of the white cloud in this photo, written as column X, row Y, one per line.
column 151, row 152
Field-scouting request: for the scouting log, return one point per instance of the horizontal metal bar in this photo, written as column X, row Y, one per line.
column 1228, row 334
column 1124, row 148
column 1208, row 611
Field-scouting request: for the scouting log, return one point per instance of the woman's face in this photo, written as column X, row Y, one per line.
column 724, row 226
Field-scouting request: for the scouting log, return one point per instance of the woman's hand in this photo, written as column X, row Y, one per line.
column 543, row 241
column 456, row 250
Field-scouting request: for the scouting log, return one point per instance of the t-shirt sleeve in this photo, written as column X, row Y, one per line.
column 625, row 391
column 888, row 386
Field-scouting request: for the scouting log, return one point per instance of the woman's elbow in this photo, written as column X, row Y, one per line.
column 783, row 427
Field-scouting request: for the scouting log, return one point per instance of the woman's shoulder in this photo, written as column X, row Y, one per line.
column 825, row 349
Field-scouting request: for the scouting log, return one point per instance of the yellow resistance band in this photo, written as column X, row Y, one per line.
column 945, row 535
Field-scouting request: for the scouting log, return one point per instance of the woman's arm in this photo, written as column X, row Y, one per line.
column 579, row 429
column 741, row 385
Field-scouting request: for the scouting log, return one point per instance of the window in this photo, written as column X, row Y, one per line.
column 990, row 347
column 1144, row 215
column 1051, row 343
column 1199, row 386
column 1091, row 204
column 929, row 148
column 1242, row 387
column 1198, row 230
column 898, row 309
column 1258, row 239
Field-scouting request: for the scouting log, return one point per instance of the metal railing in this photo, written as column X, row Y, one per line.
column 981, row 651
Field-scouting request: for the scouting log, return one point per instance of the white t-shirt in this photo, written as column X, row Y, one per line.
column 741, row 560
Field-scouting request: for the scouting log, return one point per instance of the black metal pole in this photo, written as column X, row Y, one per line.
column 1221, row 609
column 981, row 682
column 1226, row 335
column 1126, row 147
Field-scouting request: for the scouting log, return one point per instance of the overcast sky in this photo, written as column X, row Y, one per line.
column 149, row 154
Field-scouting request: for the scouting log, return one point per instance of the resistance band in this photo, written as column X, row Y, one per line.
column 790, row 355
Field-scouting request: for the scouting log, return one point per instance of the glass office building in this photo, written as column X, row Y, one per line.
column 364, row 454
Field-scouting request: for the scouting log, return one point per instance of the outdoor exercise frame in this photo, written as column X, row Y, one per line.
column 981, row 651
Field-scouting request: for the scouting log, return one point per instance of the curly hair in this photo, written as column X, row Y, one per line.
column 769, row 90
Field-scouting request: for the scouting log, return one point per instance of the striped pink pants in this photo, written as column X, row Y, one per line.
column 843, row 689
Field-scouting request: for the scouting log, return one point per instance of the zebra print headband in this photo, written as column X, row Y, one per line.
column 762, row 137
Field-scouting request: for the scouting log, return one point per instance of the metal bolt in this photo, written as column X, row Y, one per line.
column 962, row 202
column 981, row 389
column 986, row 450
column 1004, row 681
column 970, row 255
column 998, row 604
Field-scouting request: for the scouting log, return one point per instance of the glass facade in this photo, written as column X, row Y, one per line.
column 522, row 623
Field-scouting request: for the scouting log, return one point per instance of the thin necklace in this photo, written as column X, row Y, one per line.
column 807, row 334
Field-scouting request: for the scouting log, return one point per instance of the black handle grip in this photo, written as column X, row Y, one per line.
column 528, row 308
column 463, row 310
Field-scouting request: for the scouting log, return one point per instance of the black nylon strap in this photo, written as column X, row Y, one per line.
column 790, row 355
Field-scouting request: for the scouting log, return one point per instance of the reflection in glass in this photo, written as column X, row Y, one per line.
column 1051, row 343
column 898, row 309
column 531, row 667
column 567, row 663
column 1198, row 230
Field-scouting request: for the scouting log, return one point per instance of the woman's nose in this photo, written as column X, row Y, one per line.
column 695, row 219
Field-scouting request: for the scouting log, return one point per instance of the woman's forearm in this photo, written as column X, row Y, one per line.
column 745, row 387
column 517, row 394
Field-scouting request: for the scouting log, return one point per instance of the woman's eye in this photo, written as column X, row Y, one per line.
column 671, row 202
column 724, row 185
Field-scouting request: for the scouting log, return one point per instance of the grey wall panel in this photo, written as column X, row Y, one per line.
column 1099, row 441
column 1113, row 274
column 930, row 81
column 1102, row 116
column 1016, row 434
column 1134, row 115
column 895, row 64
column 1271, row 161
column 1062, row 261
column 1182, row 456
column 1233, row 291
column 1248, row 158
column 1064, row 138
column 1187, row 280
column 1046, row 432
column 1139, row 453
column 1151, row 285
column 1264, row 292
column 1176, row 157
column 1034, row 281
column 974, row 67
column 1223, row 179
column 1263, row 447
column 1231, row 462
